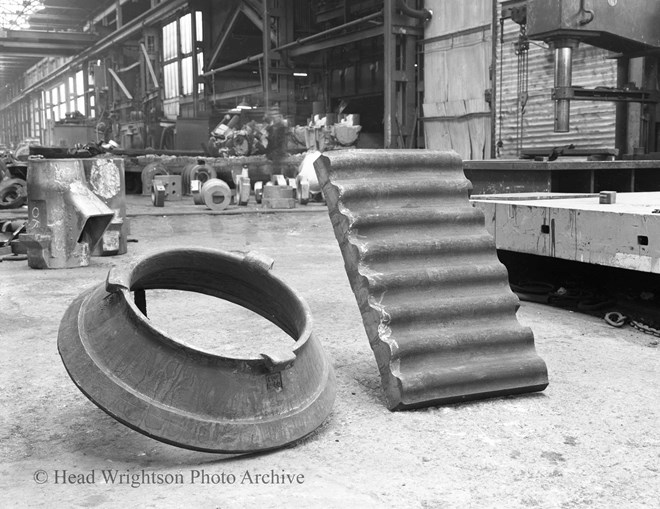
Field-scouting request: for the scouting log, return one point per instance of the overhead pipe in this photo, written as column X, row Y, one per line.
column 425, row 14
column 305, row 40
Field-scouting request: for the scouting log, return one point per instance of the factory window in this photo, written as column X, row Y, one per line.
column 187, row 76
column 72, row 95
column 80, row 93
column 47, row 105
column 25, row 119
column 199, row 37
column 180, row 58
column 171, row 80
column 54, row 103
column 62, row 105
column 200, row 70
column 36, row 116
column 185, row 25
column 171, row 69
column 91, row 91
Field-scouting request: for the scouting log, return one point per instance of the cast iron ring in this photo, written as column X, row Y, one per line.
column 185, row 396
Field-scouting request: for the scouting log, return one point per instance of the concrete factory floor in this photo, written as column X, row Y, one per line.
column 591, row 439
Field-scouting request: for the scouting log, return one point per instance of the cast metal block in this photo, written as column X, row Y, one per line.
column 279, row 197
column 158, row 194
column 172, row 185
column 434, row 298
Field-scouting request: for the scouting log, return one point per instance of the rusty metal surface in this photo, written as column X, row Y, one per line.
column 66, row 220
column 434, row 299
column 183, row 395
column 106, row 178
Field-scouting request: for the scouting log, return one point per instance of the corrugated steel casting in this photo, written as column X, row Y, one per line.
column 181, row 395
column 434, row 298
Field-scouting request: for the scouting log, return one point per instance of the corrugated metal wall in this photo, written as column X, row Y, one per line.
column 592, row 123
column 457, row 60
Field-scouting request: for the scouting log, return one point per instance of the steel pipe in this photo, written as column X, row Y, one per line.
column 563, row 80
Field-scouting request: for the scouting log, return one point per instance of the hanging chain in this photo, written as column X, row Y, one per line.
column 500, row 143
column 522, row 51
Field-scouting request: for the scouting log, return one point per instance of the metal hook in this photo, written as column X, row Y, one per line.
column 590, row 14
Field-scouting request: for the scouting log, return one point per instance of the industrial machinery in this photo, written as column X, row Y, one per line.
column 629, row 27
column 581, row 227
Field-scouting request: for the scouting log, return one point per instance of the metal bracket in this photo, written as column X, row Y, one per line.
column 605, row 94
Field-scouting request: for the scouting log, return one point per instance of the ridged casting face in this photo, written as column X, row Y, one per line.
column 434, row 298
column 184, row 396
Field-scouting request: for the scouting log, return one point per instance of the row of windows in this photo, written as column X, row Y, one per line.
column 179, row 50
column 67, row 97
column 180, row 56
column 178, row 72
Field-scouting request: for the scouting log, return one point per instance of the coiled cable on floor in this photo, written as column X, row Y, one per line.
column 616, row 319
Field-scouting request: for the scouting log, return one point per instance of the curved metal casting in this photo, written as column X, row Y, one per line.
column 216, row 194
column 13, row 193
column 148, row 174
column 66, row 220
column 180, row 394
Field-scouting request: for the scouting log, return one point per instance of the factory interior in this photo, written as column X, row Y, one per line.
column 330, row 253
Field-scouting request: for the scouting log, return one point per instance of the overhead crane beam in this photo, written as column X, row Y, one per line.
column 42, row 43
